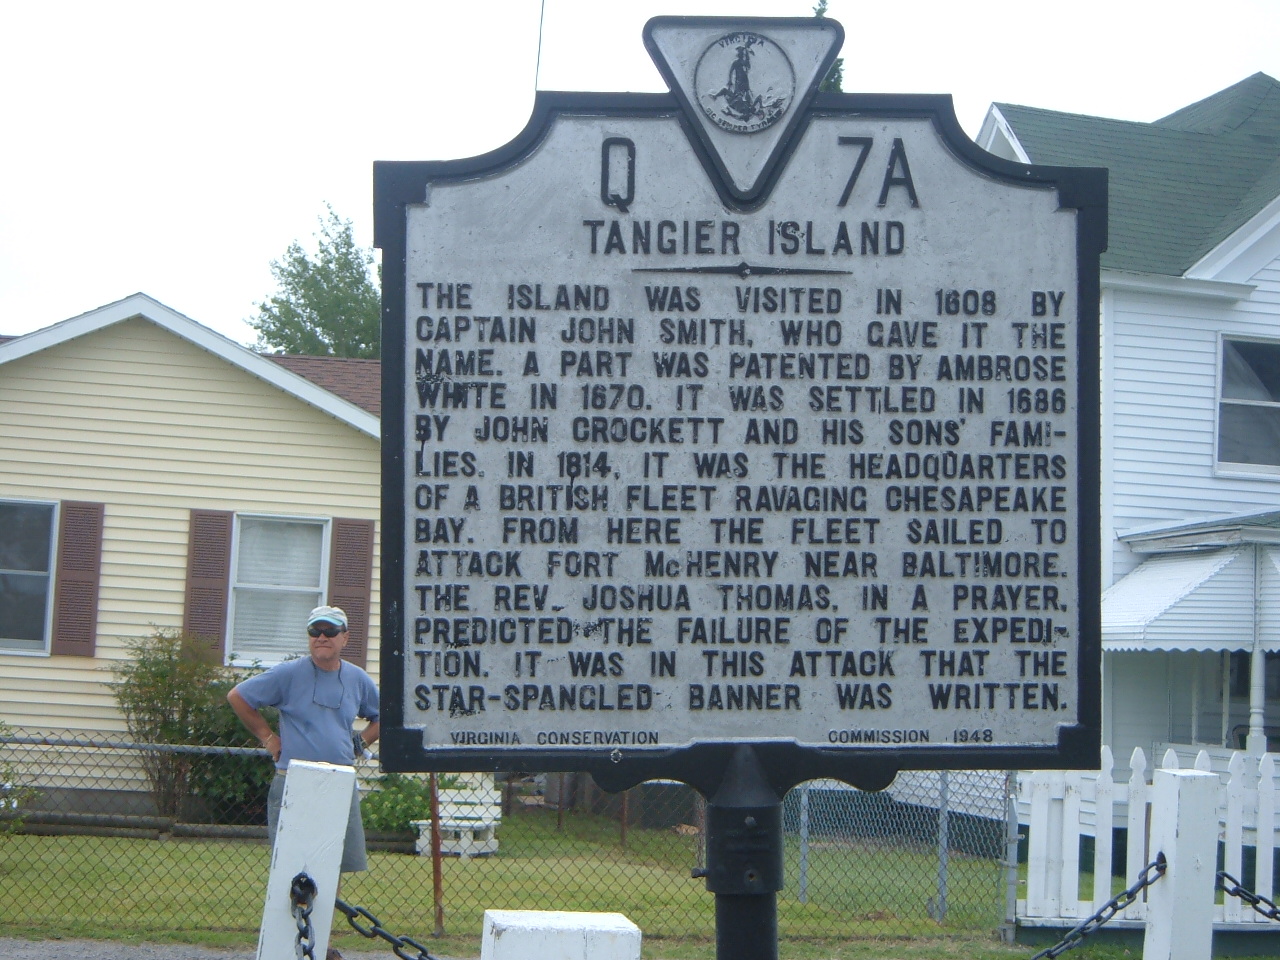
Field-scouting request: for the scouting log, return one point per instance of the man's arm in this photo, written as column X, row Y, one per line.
column 369, row 707
column 254, row 722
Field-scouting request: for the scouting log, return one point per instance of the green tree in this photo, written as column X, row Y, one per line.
column 328, row 306
column 833, row 82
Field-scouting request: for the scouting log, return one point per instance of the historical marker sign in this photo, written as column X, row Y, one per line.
column 740, row 414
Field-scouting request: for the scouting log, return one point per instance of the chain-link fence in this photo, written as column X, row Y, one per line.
column 93, row 840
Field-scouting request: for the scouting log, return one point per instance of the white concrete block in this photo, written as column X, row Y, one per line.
column 558, row 935
column 309, row 838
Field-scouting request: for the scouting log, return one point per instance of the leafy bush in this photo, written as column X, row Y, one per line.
column 13, row 795
column 173, row 690
column 394, row 802
column 233, row 787
column 397, row 800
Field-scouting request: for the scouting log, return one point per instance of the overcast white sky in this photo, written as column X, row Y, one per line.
column 177, row 148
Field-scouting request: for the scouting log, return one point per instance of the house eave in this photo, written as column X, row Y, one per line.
column 1249, row 248
column 1195, row 288
column 147, row 308
column 1213, row 533
column 1205, row 540
column 995, row 124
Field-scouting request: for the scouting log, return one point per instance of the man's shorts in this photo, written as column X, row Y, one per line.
column 354, row 857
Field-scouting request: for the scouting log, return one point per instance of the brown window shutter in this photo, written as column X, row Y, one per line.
column 351, row 582
column 75, row 597
column 208, row 577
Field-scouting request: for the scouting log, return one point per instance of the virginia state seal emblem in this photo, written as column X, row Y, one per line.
column 744, row 82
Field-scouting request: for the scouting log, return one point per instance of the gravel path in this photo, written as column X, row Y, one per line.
column 106, row 950
column 13, row 949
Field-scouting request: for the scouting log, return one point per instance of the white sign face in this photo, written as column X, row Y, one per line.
column 677, row 472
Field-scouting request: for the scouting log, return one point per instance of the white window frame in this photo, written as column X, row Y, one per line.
column 54, row 519
column 235, row 588
column 1233, row 468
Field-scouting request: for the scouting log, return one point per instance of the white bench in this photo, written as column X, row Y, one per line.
column 469, row 817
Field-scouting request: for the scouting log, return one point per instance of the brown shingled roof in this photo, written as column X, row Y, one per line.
column 356, row 381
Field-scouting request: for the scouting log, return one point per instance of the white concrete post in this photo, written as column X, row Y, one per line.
column 1184, row 827
column 309, row 836
column 556, row 935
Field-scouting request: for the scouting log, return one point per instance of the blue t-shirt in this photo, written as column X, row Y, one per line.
column 317, row 708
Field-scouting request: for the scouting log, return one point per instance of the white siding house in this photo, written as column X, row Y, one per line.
column 1190, row 408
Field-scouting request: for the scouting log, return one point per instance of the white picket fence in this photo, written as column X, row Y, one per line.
column 1061, row 807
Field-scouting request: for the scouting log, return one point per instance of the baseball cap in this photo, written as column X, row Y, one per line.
column 335, row 615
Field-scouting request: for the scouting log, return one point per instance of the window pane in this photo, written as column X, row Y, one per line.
column 277, row 582
column 271, row 625
column 279, row 553
column 25, row 530
column 24, row 600
column 1249, row 434
column 1250, row 371
column 26, row 544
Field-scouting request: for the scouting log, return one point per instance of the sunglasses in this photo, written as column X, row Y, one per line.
column 329, row 630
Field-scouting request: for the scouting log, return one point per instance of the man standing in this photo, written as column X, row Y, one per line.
column 319, row 698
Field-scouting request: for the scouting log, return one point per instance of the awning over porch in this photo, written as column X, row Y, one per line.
column 1196, row 601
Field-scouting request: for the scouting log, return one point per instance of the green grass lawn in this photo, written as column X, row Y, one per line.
column 210, row 893
column 863, row 899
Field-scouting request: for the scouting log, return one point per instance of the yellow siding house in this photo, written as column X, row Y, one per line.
column 158, row 476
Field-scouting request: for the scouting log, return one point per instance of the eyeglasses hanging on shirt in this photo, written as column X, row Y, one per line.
column 329, row 687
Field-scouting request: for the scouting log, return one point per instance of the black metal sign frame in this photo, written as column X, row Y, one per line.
column 398, row 185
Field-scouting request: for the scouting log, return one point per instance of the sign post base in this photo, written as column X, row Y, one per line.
column 744, row 859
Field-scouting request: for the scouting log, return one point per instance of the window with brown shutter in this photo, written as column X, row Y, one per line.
column 351, row 582
column 26, row 574
column 208, row 576
column 256, row 610
column 79, row 570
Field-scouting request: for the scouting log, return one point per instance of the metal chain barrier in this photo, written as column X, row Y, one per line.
column 375, row 929
column 1149, row 875
column 302, row 894
column 1231, row 887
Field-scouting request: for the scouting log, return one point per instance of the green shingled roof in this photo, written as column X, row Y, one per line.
column 1179, row 186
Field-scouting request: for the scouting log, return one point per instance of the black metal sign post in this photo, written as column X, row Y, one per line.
column 743, row 785
column 741, row 435
column 744, row 860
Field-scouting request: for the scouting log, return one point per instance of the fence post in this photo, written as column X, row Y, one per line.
column 1135, row 855
column 1180, row 904
column 1044, row 846
column 1264, row 882
column 804, row 842
column 1009, row 929
column 1072, row 786
column 1233, row 829
column 1103, row 831
column 938, row 907
column 309, row 835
